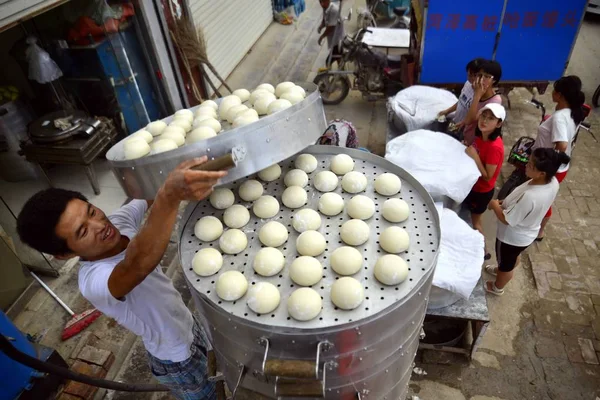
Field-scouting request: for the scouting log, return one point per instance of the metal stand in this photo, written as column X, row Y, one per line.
column 473, row 310
column 91, row 174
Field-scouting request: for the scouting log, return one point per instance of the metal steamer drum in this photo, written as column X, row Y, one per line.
column 365, row 353
column 254, row 147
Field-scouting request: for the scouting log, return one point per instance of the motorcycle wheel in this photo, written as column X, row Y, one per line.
column 596, row 97
column 334, row 88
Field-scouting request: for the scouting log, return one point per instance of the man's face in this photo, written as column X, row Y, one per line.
column 324, row 3
column 89, row 234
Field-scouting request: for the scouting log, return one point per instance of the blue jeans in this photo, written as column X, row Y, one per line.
column 188, row 379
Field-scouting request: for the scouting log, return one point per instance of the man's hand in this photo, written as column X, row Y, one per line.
column 185, row 183
column 321, row 27
column 442, row 113
column 146, row 249
column 320, row 41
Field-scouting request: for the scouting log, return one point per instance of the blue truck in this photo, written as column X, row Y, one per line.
column 531, row 39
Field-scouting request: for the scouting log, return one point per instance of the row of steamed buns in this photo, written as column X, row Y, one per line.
column 238, row 109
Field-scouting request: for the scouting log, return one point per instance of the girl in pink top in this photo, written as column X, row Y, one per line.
column 484, row 93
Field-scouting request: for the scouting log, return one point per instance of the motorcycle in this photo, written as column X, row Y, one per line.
column 375, row 74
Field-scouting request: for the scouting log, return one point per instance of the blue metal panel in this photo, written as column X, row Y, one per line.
column 455, row 33
column 16, row 377
column 125, row 89
column 536, row 39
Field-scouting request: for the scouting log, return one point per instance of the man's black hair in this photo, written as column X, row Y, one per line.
column 475, row 64
column 493, row 68
column 39, row 217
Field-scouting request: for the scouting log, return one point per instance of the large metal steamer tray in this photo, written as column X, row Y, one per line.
column 256, row 146
column 422, row 226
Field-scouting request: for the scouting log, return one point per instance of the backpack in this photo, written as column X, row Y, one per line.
column 520, row 152
column 339, row 133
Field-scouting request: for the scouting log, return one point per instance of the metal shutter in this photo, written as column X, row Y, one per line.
column 230, row 28
column 14, row 11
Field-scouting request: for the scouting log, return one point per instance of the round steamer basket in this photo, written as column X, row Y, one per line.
column 254, row 147
column 366, row 352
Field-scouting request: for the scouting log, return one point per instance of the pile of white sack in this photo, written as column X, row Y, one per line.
column 441, row 165
column 417, row 107
column 458, row 266
column 437, row 161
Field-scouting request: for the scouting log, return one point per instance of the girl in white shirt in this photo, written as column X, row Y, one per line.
column 520, row 214
column 558, row 131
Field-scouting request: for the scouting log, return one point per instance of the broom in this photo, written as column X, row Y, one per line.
column 78, row 322
column 191, row 44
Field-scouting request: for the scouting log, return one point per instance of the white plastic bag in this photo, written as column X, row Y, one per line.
column 437, row 161
column 42, row 68
column 461, row 254
column 417, row 106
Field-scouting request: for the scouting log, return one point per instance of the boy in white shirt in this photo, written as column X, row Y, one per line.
column 120, row 272
column 461, row 107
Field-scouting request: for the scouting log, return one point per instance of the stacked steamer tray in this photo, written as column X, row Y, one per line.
column 255, row 146
column 366, row 352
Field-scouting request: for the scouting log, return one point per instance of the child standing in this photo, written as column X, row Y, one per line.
column 558, row 131
column 461, row 107
column 484, row 86
column 520, row 214
column 487, row 151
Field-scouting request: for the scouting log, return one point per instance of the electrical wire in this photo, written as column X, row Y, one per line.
column 7, row 348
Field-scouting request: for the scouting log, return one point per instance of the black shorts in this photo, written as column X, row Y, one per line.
column 507, row 254
column 477, row 202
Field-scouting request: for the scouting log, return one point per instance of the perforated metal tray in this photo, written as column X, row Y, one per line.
column 422, row 227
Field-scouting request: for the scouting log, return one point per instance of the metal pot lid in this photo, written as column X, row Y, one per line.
column 255, row 146
column 43, row 129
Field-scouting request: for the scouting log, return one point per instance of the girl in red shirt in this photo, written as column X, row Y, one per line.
column 487, row 151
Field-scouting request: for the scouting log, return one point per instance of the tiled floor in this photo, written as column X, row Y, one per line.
column 69, row 177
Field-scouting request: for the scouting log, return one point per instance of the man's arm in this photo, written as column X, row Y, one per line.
column 146, row 249
column 328, row 30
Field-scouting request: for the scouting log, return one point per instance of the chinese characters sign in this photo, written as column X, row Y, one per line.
column 549, row 19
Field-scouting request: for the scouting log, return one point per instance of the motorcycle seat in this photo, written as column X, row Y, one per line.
column 400, row 11
column 394, row 61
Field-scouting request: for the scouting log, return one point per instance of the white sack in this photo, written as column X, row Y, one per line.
column 437, row 161
column 461, row 254
column 418, row 106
